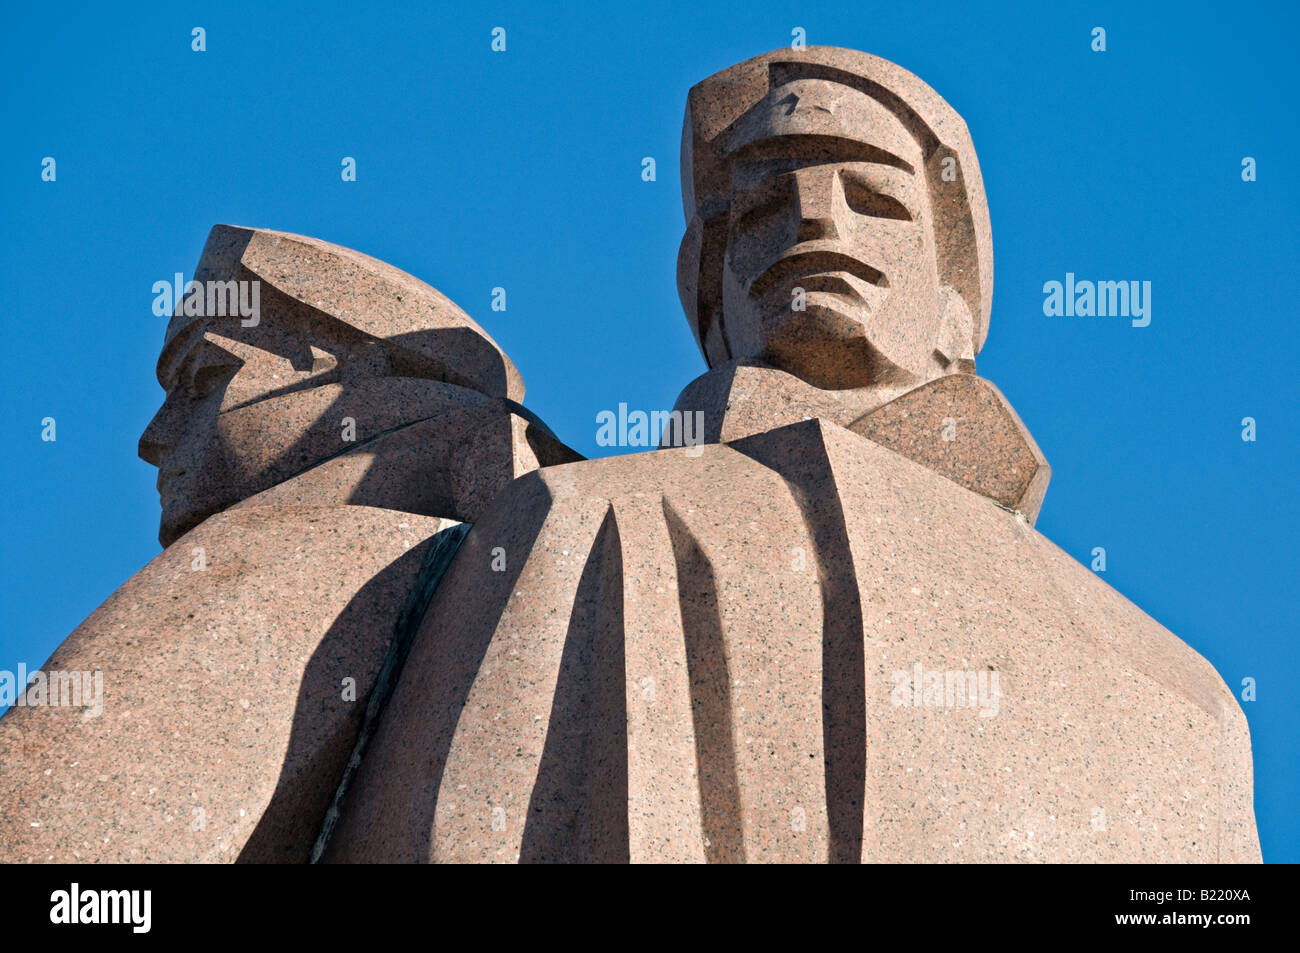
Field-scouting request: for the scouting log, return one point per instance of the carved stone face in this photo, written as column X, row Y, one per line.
column 830, row 270
column 345, row 350
column 222, row 386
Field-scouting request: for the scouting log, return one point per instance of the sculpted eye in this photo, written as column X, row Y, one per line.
column 206, row 379
column 209, row 370
column 864, row 200
column 756, row 214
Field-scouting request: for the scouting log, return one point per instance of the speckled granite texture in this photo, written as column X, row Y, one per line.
column 959, row 426
column 694, row 658
column 225, row 724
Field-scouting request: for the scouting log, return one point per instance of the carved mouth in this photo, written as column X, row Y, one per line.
column 828, row 271
column 837, row 282
column 165, row 478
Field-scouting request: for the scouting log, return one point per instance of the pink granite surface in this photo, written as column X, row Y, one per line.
column 694, row 658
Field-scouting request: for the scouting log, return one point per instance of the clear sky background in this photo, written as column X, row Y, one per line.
column 522, row 169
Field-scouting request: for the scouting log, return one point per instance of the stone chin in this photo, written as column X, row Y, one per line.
column 183, row 509
column 198, row 481
column 829, row 346
column 178, row 518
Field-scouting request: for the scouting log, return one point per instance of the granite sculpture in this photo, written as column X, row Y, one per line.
column 830, row 634
column 238, row 664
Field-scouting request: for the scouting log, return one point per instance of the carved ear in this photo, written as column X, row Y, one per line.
column 956, row 349
column 699, row 285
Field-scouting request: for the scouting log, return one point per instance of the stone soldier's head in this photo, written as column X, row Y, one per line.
column 836, row 222
column 253, row 401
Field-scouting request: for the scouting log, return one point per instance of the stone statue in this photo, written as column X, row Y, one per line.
column 731, row 656
column 831, row 634
column 313, row 463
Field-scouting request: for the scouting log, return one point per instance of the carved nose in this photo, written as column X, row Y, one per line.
column 815, row 203
column 158, row 437
column 151, row 449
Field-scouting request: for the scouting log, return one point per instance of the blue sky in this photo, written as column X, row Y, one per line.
column 522, row 169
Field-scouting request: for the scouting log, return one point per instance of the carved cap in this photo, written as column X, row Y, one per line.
column 316, row 287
